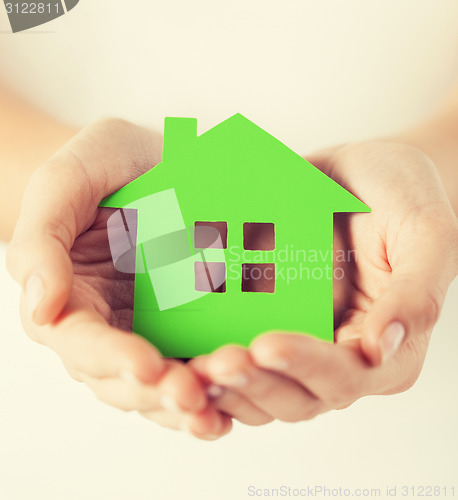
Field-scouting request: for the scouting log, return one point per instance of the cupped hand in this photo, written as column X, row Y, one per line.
column 385, row 306
column 76, row 302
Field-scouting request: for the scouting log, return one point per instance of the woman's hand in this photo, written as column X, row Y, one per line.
column 384, row 308
column 75, row 301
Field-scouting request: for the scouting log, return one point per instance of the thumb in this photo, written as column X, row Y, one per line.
column 60, row 202
column 422, row 269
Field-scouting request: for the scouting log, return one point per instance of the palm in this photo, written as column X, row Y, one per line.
column 397, row 263
column 96, row 281
column 378, row 174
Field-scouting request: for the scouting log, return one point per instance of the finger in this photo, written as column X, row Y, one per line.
column 336, row 373
column 60, row 202
column 181, row 390
column 239, row 407
column 228, row 401
column 423, row 265
column 209, row 424
column 87, row 344
column 274, row 394
column 164, row 418
column 124, row 395
column 176, row 391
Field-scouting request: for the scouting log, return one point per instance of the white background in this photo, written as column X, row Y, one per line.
column 311, row 73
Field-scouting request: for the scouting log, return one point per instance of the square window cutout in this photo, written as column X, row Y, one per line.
column 258, row 236
column 210, row 234
column 258, row 278
column 210, row 277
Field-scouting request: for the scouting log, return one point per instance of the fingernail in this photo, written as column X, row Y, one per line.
column 128, row 376
column 34, row 293
column 185, row 427
column 168, row 403
column 214, row 391
column 391, row 339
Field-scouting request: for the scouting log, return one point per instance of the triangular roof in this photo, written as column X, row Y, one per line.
column 236, row 134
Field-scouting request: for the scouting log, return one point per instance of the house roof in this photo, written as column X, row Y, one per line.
column 229, row 153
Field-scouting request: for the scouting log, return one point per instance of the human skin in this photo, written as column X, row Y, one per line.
column 384, row 309
column 407, row 256
column 73, row 299
column 401, row 278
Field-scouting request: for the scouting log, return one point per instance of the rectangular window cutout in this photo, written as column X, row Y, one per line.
column 210, row 276
column 258, row 236
column 258, row 278
column 210, row 234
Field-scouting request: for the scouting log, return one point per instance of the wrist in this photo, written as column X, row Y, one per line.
column 26, row 152
column 438, row 139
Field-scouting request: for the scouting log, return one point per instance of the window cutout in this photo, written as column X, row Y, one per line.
column 210, row 277
column 258, row 278
column 258, row 236
column 210, row 234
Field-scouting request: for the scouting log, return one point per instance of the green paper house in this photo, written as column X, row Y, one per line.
column 232, row 236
